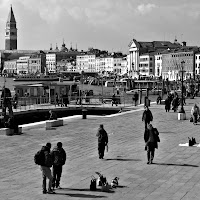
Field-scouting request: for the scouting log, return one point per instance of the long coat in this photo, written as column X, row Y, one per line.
column 156, row 137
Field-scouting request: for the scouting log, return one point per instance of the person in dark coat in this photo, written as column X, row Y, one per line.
column 135, row 98
column 147, row 116
column 58, row 155
column 159, row 99
column 167, row 104
column 6, row 101
column 102, row 140
column 175, row 103
column 151, row 139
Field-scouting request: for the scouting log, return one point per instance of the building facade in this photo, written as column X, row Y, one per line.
column 10, row 66
column 23, row 65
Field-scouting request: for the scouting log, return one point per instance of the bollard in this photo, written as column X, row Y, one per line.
column 84, row 114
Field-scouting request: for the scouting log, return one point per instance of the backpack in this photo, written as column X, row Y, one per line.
column 39, row 158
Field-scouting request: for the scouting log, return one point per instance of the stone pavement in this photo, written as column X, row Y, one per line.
column 175, row 174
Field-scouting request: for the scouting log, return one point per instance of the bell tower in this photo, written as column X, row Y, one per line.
column 11, row 32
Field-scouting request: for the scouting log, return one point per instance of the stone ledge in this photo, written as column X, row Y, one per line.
column 9, row 132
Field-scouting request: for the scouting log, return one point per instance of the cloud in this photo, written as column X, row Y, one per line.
column 145, row 9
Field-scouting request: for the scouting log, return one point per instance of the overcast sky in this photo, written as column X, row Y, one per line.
column 104, row 24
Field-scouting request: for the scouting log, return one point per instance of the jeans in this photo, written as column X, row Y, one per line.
column 46, row 173
column 57, row 171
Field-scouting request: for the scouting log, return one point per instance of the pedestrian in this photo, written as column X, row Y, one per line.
column 147, row 116
column 114, row 100
column 102, row 140
column 57, row 99
column 45, row 167
column 159, row 99
column 167, row 104
column 53, row 115
column 151, row 137
column 59, row 157
column 195, row 113
column 136, row 98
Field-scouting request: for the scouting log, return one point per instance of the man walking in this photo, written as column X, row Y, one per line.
column 46, row 164
column 102, row 140
column 136, row 98
column 147, row 116
column 59, row 157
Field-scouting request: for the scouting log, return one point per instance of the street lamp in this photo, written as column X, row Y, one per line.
column 182, row 71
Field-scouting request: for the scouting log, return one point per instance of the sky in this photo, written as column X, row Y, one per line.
column 104, row 24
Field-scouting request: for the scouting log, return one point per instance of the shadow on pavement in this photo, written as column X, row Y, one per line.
column 86, row 190
column 81, row 195
column 168, row 132
column 122, row 159
column 171, row 164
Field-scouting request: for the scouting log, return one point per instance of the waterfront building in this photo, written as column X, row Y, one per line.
column 85, row 61
column 171, row 62
column 158, row 64
column 197, row 63
column 109, row 63
column 37, row 63
column 124, row 68
column 10, row 66
column 66, row 65
column 23, row 65
column 136, row 49
column 53, row 57
column 11, row 32
column 147, row 65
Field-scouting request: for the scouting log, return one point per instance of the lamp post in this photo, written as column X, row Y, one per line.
column 182, row 71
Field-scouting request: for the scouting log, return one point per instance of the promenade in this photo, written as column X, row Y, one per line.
column 175, row 174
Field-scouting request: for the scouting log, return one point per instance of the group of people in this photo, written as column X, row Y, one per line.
column 174, row 100
column 55, row 158
column 63, row 100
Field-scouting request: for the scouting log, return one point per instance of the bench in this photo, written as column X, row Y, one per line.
column 53, row 123
column 9, row 132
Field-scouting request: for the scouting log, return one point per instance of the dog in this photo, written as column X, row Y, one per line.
column 114, row 182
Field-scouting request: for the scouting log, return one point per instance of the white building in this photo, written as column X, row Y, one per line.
column 158, row 65
column 10, row 66
column 109, row 63
column 86, row 62
column 146, row 65
column 23, row 65
column 51, row 62
column 197, row 64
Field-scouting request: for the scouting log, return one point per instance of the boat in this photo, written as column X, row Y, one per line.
column 36, row 78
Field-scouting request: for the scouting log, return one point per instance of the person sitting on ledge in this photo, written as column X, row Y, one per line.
column 52, row 115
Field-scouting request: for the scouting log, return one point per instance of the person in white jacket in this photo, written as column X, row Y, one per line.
column 195, row 113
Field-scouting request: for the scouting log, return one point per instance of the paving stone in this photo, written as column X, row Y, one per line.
column 174, row 175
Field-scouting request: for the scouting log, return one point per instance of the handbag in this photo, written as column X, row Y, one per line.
column 191, row 119
column 93, row 185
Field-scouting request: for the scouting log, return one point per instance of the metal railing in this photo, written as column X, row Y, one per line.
column 32, row 103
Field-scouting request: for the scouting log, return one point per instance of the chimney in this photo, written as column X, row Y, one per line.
column 184, row 44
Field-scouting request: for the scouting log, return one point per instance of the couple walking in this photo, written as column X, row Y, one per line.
column 46, row 159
